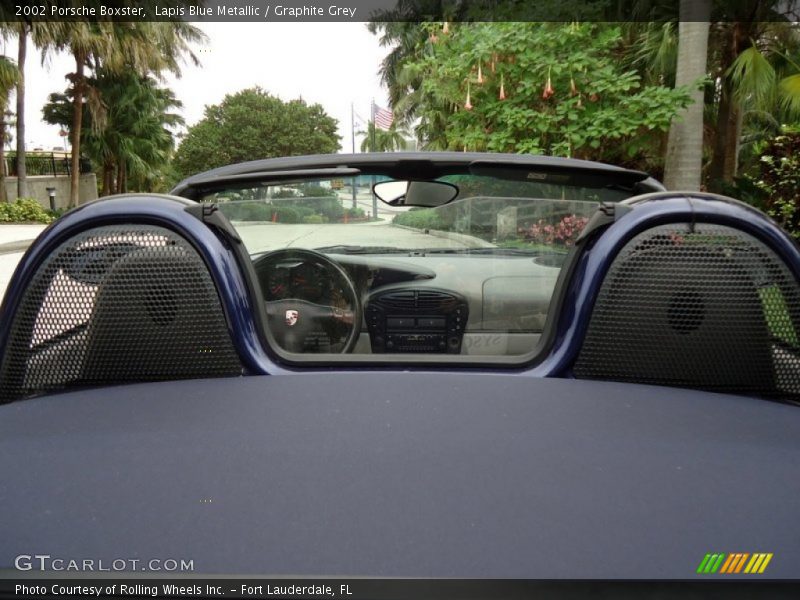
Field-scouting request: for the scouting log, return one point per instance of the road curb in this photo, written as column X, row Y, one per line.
column 468, row 240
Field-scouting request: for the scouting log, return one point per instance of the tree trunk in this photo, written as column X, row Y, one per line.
column 118, row 187
column 77, row 124
column 123, row 178
column 22, row 172
column 684, row 163
column 3, row 195
column 108, row 179
column 724, row 162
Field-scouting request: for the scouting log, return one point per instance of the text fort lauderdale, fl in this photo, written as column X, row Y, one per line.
column 256, row 11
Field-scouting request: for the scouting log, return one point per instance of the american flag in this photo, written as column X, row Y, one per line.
column 382, row 117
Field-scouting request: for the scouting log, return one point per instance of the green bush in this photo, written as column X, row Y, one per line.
column 425, row 218
column 286, row 214
column 314, row 219
column 355, row 213
column 312, row 190
column 247, row 211
column 24, row 210
column 258, row 212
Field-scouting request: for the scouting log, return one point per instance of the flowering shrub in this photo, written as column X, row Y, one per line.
column 564, row 232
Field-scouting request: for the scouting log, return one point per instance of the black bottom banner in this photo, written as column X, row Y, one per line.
column 389, row 589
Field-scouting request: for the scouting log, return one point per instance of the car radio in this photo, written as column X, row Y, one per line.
column 424, row 320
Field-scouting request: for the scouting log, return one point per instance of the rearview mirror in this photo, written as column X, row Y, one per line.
column 415, row 193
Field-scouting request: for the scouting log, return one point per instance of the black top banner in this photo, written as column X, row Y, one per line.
column 397, row 10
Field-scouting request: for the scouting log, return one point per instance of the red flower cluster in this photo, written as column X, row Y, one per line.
column 564, row 232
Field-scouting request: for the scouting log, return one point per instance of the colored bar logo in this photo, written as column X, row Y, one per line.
column 734, row 562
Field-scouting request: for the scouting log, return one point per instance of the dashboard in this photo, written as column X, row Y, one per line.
column 439, row 304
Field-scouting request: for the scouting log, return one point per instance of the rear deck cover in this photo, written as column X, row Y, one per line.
column 403, row 474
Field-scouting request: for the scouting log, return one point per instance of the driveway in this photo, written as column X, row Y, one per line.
column 260, row 236
column 14, row 240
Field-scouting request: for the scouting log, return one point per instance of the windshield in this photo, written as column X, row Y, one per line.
column 487, row 262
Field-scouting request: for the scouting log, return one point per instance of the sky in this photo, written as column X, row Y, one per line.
column 333, row 64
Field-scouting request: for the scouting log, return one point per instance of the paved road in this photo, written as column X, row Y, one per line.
column 14, row 239
column 258, row 237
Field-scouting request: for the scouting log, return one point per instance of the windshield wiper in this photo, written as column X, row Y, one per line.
column 487, row 251
column 491, row 251
column 348, row 249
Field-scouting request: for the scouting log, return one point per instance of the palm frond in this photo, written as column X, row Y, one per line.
column 753, row 77
column 8, row 74
column 789, row 93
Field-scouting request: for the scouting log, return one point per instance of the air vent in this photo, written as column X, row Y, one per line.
column 399, row 300
column 416, row 300
column 434, row 300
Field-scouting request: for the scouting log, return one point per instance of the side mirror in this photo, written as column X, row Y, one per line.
column 415, row 193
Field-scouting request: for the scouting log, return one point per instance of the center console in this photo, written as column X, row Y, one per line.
column 419, row 320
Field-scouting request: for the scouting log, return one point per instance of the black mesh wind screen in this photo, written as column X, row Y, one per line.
column 117, row 304
column 709, row 307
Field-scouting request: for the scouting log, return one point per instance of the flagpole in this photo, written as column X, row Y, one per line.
column 374, row 197
column 354, row 180
column 372, row 133
column 353, row 127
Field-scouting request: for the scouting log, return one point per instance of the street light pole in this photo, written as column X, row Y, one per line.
column 353, row 139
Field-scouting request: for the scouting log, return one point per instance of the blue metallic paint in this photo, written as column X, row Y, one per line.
column 594, row 262
column 658, row 209
column 167, row 212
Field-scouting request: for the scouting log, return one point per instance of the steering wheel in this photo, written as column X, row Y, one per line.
column 292, row 320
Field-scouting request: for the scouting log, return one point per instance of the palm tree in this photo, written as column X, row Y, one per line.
column 22, row 45
column 684, row 161
column 89, row 43
column 749, row 43
column 41, row 33
column 8, row 79
column 135, row 140
column 383, row 140
column 116, row 47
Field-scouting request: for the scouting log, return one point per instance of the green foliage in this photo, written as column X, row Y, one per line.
column 247, row 211
column 421, row 218
column 564, row 92
column 287, row 214
column 24, row 210
column 383, row 140
column 251, row 125
column 130, row 137
column 779, row 181
column 355, row 213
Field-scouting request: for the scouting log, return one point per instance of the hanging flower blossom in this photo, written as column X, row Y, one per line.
column 446, row 28
column 434, row 38
column 573, row 91
column 502, row 95
column 468, row 103
column 480, row 74
column 548, row 88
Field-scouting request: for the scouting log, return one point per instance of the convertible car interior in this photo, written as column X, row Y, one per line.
column 489, row 295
